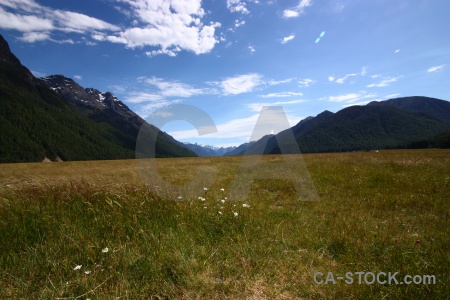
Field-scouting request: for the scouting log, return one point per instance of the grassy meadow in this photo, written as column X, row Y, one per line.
column 94, row 230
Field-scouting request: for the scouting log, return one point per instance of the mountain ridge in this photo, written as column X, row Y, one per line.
column 394, row 123
column 39, row 123
column 206, row 150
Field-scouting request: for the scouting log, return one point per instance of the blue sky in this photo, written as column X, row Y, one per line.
column 231, row 57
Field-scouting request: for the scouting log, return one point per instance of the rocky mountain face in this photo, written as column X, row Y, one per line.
column 6, row 55
column 89, row 100
column 9, row 59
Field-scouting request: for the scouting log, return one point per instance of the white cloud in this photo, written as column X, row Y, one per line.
column 238, row 6
column 297, row 10
column 38, row 22
column 148, row 108
column 170, row 25
column 287, row 39
column 76, row 22
column 238, row 23
column 306, row 82
column 363, row 71
column 78, row 77
column 173, row 88
column 435, row 68
column 345, row 98
column 24, row 23
column 141, row 97
column 257, row 106
column 26, row 5
column 342, row 80
column 351, row 97
column 118, row 88
column 162, row 51
column 289, row 13
column 147, row 102
column 240, row 84
column 67, row 41
column 384, row 82
column 396, row 51
column 251, row 48
column 281, row 95
column 31, row 37
column 276, row 82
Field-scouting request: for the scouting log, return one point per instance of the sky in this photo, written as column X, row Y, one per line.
column 229, row 58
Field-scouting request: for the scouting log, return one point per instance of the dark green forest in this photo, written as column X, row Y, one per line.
column 410, row 122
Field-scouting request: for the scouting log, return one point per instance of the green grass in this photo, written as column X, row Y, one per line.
column 373, row 208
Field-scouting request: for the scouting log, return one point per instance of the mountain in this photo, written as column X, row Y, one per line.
column 37, row 122
column 201, row 150
column 369, row 127
column 396, row 123
column 239, row 149
column 104, row 108
column 269, row 143
column 89, row 100
column 437, row 108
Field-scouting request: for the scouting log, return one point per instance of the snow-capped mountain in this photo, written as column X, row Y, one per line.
column 89, row 100
column 202, row 150
column 106, row 109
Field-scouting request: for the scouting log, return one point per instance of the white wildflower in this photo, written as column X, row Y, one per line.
column 245, row 205
column 179, row 197
column 222, row 189
column 87, row 272
column 77, row 267
column 220, row 213
column 105, row 250
column 205, row 188
column 235, row 213
column 223, row 201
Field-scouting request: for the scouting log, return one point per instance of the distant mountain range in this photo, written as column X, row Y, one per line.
column 55, row 118
column 409, row 122
column 202, row 150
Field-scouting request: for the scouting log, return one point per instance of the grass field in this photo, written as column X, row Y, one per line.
column 93, row 230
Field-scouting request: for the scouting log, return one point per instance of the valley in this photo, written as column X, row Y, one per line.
column 94, row 229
